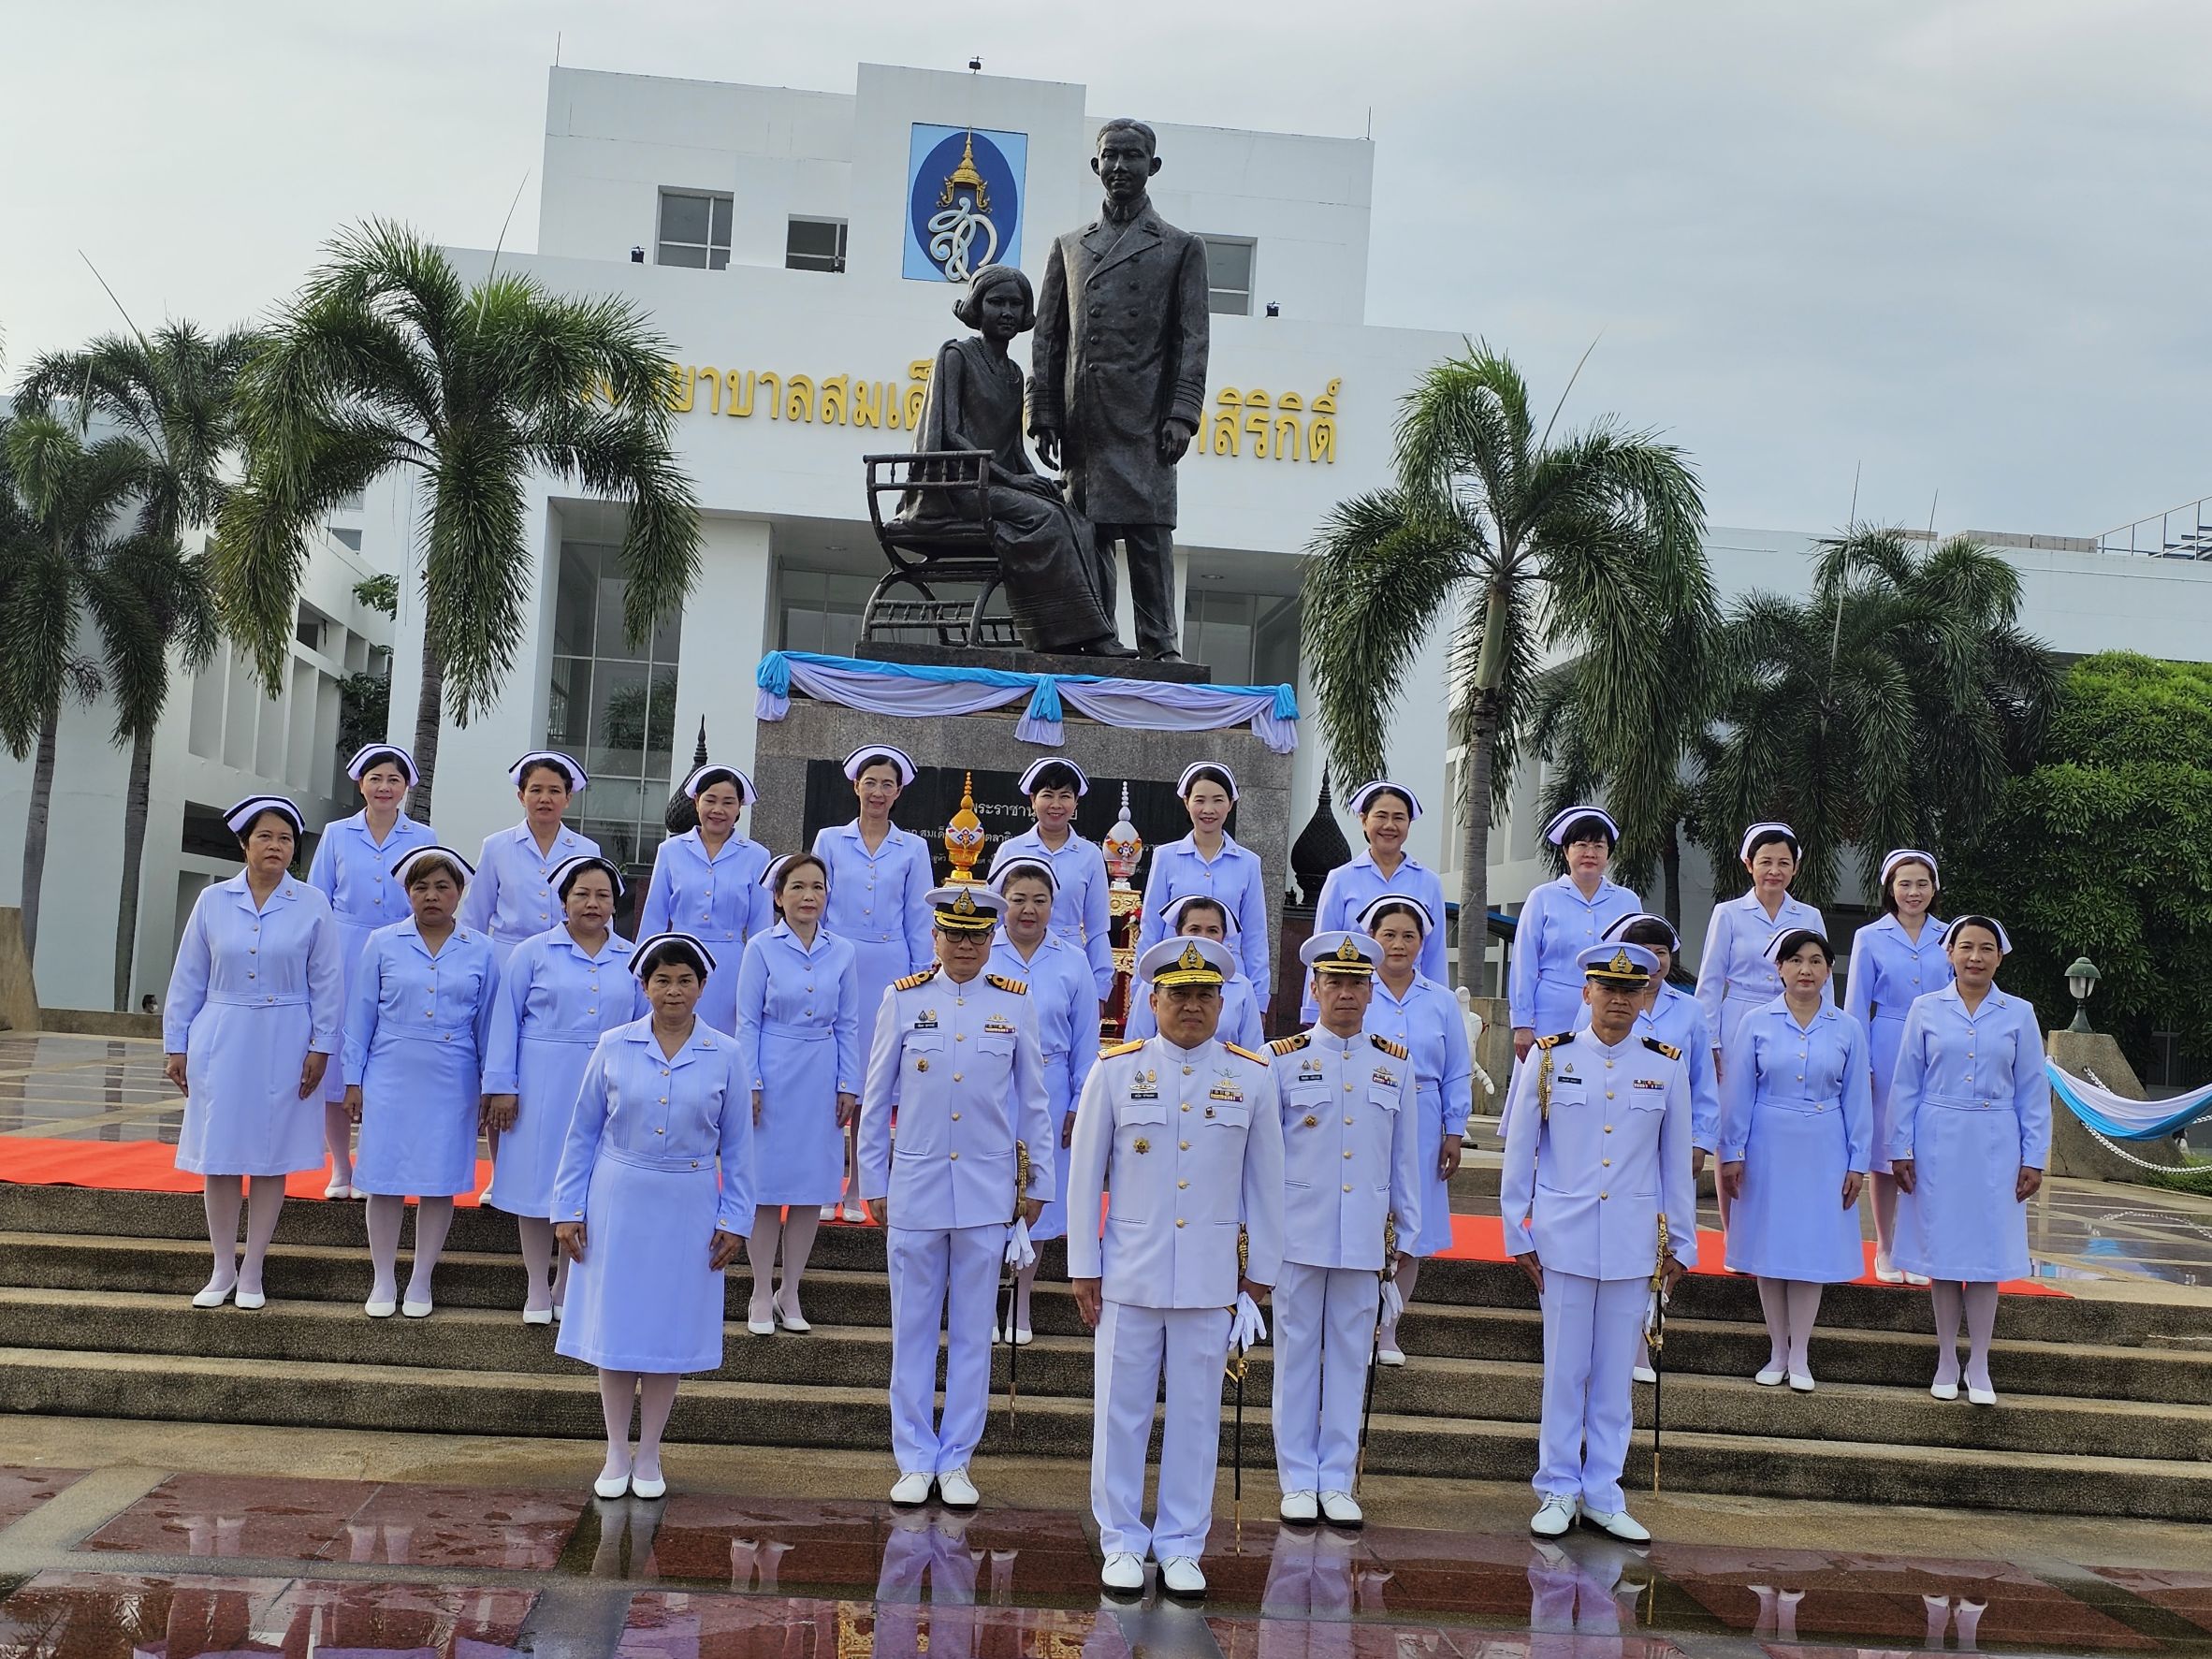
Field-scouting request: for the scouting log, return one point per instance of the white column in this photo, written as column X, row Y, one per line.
column 728, row 622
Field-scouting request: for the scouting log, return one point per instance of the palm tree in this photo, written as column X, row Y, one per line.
column 388, row 359
column 1543, row 546
column 172, row 394
column 70, row 550
column 1887, row 712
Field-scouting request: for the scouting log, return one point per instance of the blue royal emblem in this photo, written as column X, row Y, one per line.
column 964, row 201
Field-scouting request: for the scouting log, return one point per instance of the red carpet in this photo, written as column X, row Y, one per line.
column 149, row 1166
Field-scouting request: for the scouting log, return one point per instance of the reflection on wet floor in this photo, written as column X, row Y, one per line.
column 218, row 1565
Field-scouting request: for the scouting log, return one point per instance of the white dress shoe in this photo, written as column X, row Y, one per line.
column 211, row 1297
column 610, row 1486
column 1179, row 1575
column 957, row 1491
column 910, row 1489
column 537, row 1316
column 250, row 1299
column 642, row 1488
column 1887, row 1274
column 1644, row 1373
column 762, row 1327
column 338, row 1190
column 793, row 1322
column 1920, row 1279
column 1801, row 1382
column 852, row 1211
column 560, row 1312
column 1619, row 1523
column 1770, row 1376
column 1980, row 1396
column 1123, row 1571
column 1300, row 1508
column 384, row 1310
column 1553, row 1520
column 829, row 1212
column 416, row 1310
column 1340, row 1509
column 1391, row 1357
column 1943, row 1391
column 1024, row 1336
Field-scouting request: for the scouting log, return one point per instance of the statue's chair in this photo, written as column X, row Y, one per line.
column 951, row 547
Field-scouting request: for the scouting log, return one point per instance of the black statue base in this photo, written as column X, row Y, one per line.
column 1021, row 661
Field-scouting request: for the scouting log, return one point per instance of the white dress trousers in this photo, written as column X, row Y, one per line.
column 1324, row 1338
column 1134, row 1345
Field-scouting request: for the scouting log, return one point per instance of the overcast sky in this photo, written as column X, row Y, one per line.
column 1961, row 244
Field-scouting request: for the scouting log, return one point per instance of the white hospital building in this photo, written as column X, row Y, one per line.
column 780, row 241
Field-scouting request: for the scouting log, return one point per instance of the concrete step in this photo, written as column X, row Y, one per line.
column 316, row 1393
column 850, row 1357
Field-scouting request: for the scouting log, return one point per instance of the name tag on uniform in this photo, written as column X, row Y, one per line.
column 925, row 1020
column 1648, row 1082
column 1310, row 1071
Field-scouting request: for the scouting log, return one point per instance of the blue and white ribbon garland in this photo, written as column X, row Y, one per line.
column 910, row 692
column 2122, row 1119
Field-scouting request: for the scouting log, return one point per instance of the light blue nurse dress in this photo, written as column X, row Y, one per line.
column 1888, row 971
column 1794, row 1109
column 555, row 1001
column 797, row 1037
column 1734, row 975
column 1060, row 985
column 1544, row 991
column 1081, row 914
column 1428, row 1021
column 1971, row 1106
column 719, row 900
column 1352, row 887
column 354, row 871
column 646, row 1143
column 1234, row 878
column 256, row 989
column 511, row 897
column 416, row 1033
column 878, row 904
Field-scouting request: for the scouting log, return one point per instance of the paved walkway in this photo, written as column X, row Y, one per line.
column 122, row 1539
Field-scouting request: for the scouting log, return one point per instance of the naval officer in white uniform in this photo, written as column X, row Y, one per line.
column 1352, row 1192
column 1185, row 1129
column 1597, row 1155
column 954, row 1057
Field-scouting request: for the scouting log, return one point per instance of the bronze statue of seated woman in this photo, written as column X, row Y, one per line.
column 1042, row 544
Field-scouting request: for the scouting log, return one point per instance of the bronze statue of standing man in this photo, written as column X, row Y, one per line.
column 1118, row 375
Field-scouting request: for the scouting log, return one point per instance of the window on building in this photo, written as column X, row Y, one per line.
column 348, row 503
column 814, row 245
column 822, row 610
column 694, row 230
column 1228, row 276
column 307, row 627
column 1247, row 639
column 349, row 539
column 612, row 705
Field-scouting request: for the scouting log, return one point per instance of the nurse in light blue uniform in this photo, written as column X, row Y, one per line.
column 561, row 992
column 706, row 881
column 956, row 1066
column 798, row 1051
column 1796, row 1128
column 252, row 1020
column 1561, row 920
column 1351, row 1209
column 1081, row 916
column 511, row 897
column 1420, row 1015
column 1970, row 1137
column 353, row 868
column 1196, row 916
column 1060, row 985
column 1734, row 975
column 1597, row 1157
column 661, row 1111
column 416, row 1033
column 879, row 882
column 1209, row 863
column 1387, row 812
column 1895, row 959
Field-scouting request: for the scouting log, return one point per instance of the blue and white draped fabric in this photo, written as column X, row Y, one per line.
column 916, row 692
column 2118, row 1118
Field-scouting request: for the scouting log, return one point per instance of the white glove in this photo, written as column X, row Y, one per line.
column 1020, row 1252
column 1393, row 1301
column 1652, row 1309
column 1245, row 1325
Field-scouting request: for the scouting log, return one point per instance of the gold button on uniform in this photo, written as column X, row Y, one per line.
column 1347, row 1120
column 956, row 1116
column 956, row 1157
column 1184, row 1144
column 1604, row 1195
column 1179, row 1221
column 1607, row 1162
column 1347, row 1187
column 1181, row 1185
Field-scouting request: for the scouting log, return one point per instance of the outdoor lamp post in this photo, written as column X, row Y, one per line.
column 2081, row 979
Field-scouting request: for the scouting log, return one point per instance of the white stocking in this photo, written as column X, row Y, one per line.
column 537, row 1261
column 223, row 1196
column 760, row 1251
column 433, row 1217
column 264, row 1200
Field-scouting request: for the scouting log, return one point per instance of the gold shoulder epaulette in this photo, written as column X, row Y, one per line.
column 1121, row 1048
column 1291, row 1045
column 1668, row 1049
column 1397, row 1051
column 1555, row 1040
column 1019, row 987
column 1255, row 1060
column 915, row 979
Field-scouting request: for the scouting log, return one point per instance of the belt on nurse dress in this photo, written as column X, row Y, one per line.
column 533, row 1033
column 639, row 1160
column 258, row 999
column 1966, row 1102
column 795, row 1033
